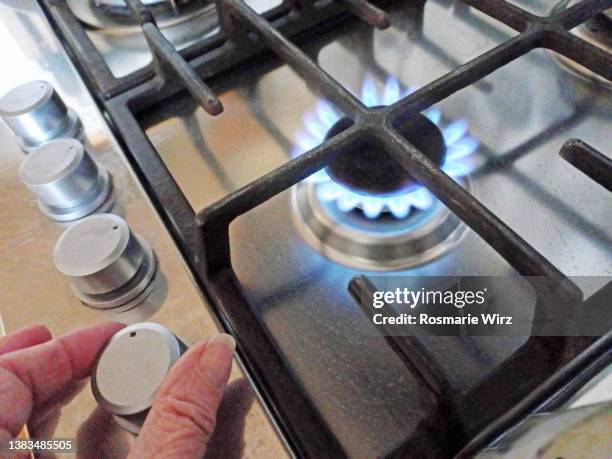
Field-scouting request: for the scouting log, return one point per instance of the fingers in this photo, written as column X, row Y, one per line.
column 33, row 375
column 183, row 416
column 25, row 337
column 42, row 417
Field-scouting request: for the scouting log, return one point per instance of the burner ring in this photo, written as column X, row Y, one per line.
column 374, row 245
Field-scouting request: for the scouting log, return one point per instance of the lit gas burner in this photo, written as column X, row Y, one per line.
column 366, row 196
column 369, row 213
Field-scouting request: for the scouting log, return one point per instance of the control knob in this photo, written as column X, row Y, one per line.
column 130, row 370
column 67, row 183
column 108, row 265
column 36, row 114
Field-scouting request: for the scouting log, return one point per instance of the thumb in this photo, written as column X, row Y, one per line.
column 182, row 418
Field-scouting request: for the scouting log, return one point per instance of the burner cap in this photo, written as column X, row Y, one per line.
column 370, row 171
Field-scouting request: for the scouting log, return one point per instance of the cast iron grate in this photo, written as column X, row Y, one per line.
column 204, row 240
column 380, row 125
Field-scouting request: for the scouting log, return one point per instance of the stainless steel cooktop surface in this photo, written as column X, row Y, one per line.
column 502, row 136
column 295, row 255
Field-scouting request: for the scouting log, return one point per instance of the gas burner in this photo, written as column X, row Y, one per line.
column 384, row 244
column 597, row 31
column 349, row 187
column 114, row 16
column 367, row 212
column 371, row 172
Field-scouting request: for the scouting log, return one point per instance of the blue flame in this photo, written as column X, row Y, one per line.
column 459, row 145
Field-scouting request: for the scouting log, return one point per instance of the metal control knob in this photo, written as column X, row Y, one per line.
column 67, row 183
column 130, row 370
column 108, row 265
column 36, row 114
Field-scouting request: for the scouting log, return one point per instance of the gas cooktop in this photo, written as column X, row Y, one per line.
column 297, row 151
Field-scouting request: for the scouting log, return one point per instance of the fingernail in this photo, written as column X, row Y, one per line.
column 216, row 359
column 225, row 339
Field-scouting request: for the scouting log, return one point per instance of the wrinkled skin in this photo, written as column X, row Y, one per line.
column 195, row 414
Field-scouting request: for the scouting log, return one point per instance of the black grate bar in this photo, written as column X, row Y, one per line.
column 580, row 12
column 368, row 13
column 526, row 260
column 204, row 55
column 504, row 12
column 299, row 61
column 142, row 13
column 408, row 348
column 215, row 219
column 464, row 76
column 169, row 62
column 260, row 190
column 582, row 52
column 588, row 160
column 600, row 351
column 170, row 58
column 592, row 57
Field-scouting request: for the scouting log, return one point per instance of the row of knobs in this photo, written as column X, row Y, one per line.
column 67, row 183
column 109, row 267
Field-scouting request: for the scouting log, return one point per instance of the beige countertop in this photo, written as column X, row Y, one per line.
column 32, row 291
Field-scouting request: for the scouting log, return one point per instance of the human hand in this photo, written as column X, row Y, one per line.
column 36, row 372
